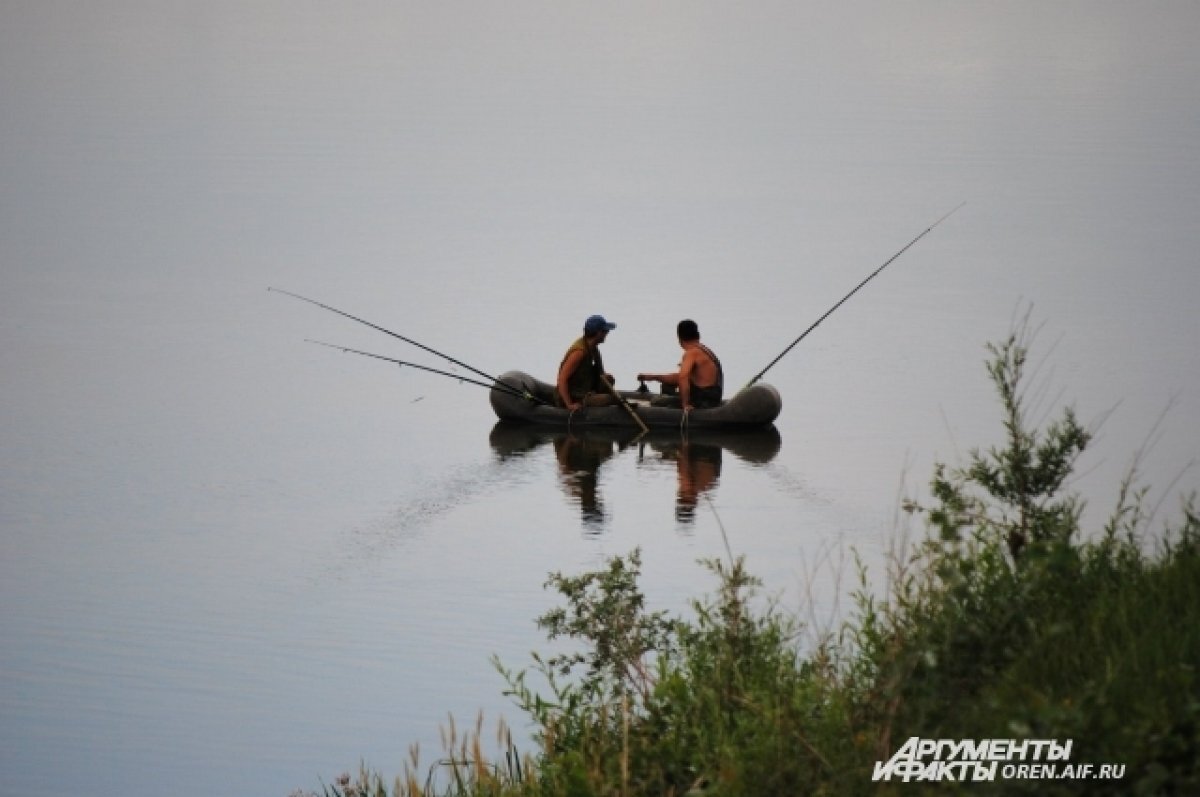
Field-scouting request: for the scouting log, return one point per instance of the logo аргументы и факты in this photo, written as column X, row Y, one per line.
column 936, row 760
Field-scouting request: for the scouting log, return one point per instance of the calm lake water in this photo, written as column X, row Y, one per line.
column 235, row 563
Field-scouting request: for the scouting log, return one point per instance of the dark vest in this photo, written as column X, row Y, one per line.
column 586, row 378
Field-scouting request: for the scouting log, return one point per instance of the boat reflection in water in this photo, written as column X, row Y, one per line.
column 697, row 456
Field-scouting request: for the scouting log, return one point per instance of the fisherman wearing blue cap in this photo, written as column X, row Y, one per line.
column 582, row 370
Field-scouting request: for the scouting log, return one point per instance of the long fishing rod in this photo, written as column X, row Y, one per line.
column 389, row 332
column 851, row 293
column 503, row 387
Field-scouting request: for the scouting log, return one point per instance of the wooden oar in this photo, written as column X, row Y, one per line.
column 621, row 400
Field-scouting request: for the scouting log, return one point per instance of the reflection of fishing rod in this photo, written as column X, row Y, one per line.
column 389, row 332
column 848, row 295
column 503, row 387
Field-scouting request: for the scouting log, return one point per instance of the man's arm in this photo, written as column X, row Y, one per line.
column 564, row 375
column 666, row 379
column 685, row 382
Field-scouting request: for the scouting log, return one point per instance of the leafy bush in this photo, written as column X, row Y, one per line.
column 1003, row 623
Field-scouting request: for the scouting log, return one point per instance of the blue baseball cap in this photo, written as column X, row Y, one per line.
column 596, row 323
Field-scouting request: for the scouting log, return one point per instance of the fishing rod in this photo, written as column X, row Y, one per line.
column 389, row 332
column 503, row 387
column 848, row 295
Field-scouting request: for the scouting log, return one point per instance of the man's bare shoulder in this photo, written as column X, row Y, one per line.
column 573, row 357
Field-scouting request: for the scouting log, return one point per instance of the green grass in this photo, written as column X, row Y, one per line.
column 1006, row 622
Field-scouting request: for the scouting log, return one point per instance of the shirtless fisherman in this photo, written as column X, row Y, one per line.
column 700, row 378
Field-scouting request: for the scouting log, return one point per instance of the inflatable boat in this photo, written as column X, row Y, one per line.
column 521, row 398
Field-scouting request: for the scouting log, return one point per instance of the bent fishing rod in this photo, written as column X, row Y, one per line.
column 394, row 335
column 503, row 387
column 829, row 312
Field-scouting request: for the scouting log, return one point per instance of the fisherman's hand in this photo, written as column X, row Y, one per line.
column 575, row 406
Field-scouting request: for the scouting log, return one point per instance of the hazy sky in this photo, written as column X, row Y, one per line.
column 482, row 176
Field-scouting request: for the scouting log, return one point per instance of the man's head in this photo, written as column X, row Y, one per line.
column 687, row 330
column 596, row 325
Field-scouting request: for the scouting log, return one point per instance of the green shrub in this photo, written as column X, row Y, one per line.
column 1002, row 624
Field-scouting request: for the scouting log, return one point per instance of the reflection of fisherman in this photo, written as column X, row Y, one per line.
column 579, row 459
column 582, row 369
column 699, row 468
column 700, row 378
